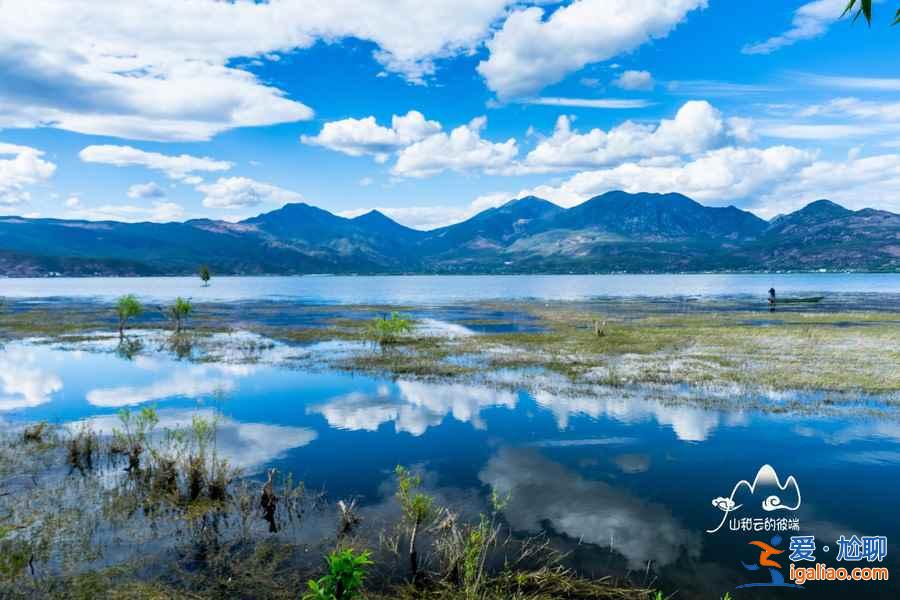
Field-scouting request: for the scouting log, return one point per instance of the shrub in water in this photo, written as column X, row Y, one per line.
column 344, row 581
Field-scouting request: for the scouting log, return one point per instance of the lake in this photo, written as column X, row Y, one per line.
column 624, row 479
column 618, row 481
column 435, row 289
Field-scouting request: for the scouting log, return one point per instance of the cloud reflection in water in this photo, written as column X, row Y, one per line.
column 186, row 382
column 542, row 491
column 24, row 383
column 247, row 446
column 413, row 406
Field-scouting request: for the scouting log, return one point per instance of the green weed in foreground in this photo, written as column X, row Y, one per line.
column 386, row 330
column 344, row 581
column 418, row 510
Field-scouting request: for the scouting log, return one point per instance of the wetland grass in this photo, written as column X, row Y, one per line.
column 625, row 344
column 388, row 330
column 56, row 545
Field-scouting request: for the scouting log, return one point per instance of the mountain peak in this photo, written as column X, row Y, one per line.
column 652, row 216
column 373, row 216
column 529, row 207
column 823, row 207
column 645, row 197
column 377, row 221
column 818, row 212
column 293, row 211
column 527, row 201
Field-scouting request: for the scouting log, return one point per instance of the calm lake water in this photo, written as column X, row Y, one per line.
column 432, row 290
column 618, row 482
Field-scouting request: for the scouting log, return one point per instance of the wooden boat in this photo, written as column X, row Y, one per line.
column 806, row 300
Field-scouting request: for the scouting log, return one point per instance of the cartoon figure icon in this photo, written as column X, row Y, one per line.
column 767, row 551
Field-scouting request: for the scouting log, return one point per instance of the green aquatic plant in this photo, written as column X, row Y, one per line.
column 180, row 310
column 206, row 472
column 418, row 510
column 127, row 307
column 345, row 577
column 133, row 438
column 464, row 548
column 205, row 275
column 184, row 466
column 386, row 330
column 34, row 434
column 478, row 542
column 15, row 556
column 81, row 447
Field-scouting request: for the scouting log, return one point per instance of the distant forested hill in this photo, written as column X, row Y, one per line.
column 613, row 232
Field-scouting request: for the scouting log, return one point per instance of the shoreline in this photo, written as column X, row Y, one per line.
column 811, row 271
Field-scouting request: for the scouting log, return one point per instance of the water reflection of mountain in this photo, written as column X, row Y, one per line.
column 544, row 492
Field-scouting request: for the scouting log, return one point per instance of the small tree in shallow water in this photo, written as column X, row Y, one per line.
column 386, row 330
column 179, row 311
column 204, row 275
column 127, row 307
column 418, row 511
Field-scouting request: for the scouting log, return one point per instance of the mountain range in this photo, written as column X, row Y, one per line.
column 613, row 232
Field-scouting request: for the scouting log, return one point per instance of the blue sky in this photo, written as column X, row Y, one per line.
column 431, row 112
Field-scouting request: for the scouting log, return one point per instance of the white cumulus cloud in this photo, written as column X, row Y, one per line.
column 853, row 183
column 175, row 167
column 634, row 80
column 531, row 51
column 697, row 127
column 242, row 192
column 25, row 168
column 421, row 147
column 718, row 176
column 357, row 137
column 460, row 150
column 162, row 70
